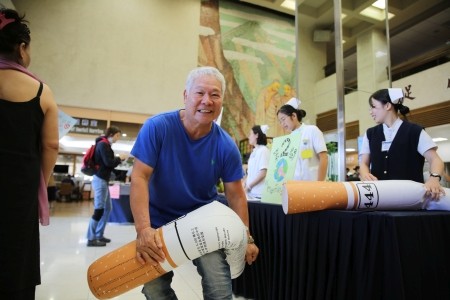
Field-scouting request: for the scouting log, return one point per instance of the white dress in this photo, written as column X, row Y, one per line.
column 259, row 160
column 312, row 142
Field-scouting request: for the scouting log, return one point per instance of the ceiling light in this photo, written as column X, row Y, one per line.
column 439, row 139
column 289, row 4
column 68, row 141
column 381, row 4
column 350, row 150
column 375, row 13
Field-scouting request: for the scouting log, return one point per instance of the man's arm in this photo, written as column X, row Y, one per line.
column 107, row 155
column 235, row 194
column 148, row 242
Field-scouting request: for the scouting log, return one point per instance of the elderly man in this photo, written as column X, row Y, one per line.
column 179, row 158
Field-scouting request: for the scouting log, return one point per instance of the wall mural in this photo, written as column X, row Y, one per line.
column 255, row 50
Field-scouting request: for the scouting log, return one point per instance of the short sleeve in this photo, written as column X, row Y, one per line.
column 425, row 143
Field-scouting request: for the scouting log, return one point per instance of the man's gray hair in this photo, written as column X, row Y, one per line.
column 202, row 71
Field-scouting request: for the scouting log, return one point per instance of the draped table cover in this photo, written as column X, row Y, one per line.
column 121, row 209
column 347, row 255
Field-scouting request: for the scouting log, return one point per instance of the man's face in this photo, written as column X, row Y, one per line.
column 203, row 101
column 116, row 137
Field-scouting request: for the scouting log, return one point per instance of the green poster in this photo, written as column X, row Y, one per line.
column 283, row 158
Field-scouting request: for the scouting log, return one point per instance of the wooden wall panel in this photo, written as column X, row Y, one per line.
column 432, row 115
column 327, row 121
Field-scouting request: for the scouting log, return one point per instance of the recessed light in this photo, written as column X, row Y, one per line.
column 439, row 139
column 375, row 13
column 289, row 4
column 381, row 4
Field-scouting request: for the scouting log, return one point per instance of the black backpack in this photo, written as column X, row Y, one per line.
column 89, row 166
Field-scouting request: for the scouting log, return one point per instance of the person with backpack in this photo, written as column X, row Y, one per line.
column 107, row 161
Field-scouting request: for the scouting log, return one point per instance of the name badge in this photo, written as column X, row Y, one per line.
column 307, row 153
column 385, row 146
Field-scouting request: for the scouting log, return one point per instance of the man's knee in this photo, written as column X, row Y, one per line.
column 98, row 214
column 216, row 275
column 160, row 288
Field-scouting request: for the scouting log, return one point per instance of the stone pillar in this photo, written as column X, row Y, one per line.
column 372, row 69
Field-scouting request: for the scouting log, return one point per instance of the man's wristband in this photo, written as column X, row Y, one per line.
column 436, row 175
column 250, row 240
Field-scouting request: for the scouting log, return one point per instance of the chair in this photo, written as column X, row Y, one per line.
column 65, row 191
column 86, row 190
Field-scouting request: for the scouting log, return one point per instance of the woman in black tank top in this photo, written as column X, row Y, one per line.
column 29, row 147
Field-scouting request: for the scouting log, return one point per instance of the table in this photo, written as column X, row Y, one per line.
column 347, row 255
column 121, row 210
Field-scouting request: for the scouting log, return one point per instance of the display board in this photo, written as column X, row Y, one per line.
column 283, row 159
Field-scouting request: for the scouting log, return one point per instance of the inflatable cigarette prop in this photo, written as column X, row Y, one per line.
column 305, row 196
column 207, row 229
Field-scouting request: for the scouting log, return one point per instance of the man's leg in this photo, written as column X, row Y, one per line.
column 159, row 288
column 107, row 205
column 99, row 186
column 216, row 276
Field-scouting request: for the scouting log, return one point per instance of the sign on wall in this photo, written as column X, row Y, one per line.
column 89, row 126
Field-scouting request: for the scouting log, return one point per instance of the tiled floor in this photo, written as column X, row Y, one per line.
column 65, row 257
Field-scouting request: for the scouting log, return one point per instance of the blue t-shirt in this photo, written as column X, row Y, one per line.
column 185, row 171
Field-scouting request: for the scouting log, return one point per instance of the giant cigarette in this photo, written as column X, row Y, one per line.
column 305, row 196
column 207, row 229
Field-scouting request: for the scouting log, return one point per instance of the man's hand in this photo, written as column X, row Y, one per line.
column 252, row 253
column 149, row 247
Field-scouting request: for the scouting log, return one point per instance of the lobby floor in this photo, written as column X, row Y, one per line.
column 65, row 257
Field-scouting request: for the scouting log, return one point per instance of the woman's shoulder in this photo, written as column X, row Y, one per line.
column 313, row 129
column 17, row 87
column 407, row 124
column 372, row 129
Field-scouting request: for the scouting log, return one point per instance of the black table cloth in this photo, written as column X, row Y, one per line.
column 347, row 255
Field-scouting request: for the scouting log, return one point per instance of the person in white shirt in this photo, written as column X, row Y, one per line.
column 397, row 149
column 313, row 157
column 258, row 162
